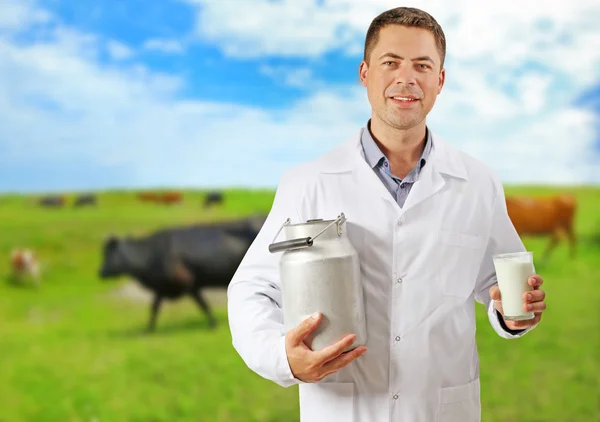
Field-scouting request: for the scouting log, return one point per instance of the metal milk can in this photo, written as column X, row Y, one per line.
column 320, row 272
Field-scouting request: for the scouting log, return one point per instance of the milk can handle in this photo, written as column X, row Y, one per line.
column 302, row 242
column 290, row 244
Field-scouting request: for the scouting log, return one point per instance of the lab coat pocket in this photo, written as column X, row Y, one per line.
column 459, row 259
column 461, row 403
column 327, row 402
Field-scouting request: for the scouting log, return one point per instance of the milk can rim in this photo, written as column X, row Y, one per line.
column 307, row 223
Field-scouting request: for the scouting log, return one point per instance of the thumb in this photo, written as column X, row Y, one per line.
column 495, row 293
column 306, row 327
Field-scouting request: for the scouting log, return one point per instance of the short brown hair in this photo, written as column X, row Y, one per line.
column 405, row 16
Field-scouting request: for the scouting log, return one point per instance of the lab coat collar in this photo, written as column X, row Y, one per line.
column 349, row 156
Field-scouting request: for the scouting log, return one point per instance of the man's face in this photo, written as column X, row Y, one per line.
column 403, row 77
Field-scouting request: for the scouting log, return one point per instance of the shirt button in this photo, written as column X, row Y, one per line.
column 397, row 338
column 395, row 396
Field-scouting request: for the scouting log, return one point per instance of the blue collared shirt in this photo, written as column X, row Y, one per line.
column 398, row 188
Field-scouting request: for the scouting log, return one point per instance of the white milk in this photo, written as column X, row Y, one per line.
column 512, row 271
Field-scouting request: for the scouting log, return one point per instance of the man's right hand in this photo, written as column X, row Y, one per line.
column 310, row 366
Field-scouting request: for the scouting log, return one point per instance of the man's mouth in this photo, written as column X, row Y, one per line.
column 406, row 99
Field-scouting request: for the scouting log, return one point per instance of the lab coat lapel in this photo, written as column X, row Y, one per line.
column 367, row 181
column 429, row 182
column 443, row 160
column 349, row 160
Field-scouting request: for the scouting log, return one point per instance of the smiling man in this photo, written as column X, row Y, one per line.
column 426, row 220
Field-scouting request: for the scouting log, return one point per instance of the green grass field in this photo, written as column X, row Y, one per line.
column 74, row 351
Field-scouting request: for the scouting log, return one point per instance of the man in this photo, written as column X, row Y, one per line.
column 427, row 219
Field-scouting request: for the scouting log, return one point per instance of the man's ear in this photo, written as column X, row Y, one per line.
column 441, row 80
column 363, row 70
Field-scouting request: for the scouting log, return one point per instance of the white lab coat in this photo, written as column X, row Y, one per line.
column 422, row 266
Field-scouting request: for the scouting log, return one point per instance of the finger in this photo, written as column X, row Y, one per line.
column 331, row 352
column 534, row 296
column 519, row 325
column 495, row 293
column 535, row 307
column 535, row 281
column 299, row 333
column 344, row 360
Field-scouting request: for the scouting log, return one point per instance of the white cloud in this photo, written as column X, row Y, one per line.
column 282, row 28
column 60, row 104
column 298, row 77
column 489, row 37
column 533, row 89
column 508, row 30
column 118, row 50
column 19, row 15
column 164, row 46
column 556, row 148
column 505, row 59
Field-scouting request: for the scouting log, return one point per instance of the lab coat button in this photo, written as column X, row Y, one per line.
column 395, row 396
column 399, row 223
column 397, row 338
column 399, row 280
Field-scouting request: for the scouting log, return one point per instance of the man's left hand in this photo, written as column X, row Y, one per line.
column 534, row 302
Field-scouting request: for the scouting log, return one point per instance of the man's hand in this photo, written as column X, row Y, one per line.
column 534, row 302
column 310, row 366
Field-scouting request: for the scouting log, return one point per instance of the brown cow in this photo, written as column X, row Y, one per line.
column 24, row 265
column 166, row 198
column 544, row 216
column 169, row 198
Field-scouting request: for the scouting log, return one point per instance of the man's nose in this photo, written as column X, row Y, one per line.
column 405, row 75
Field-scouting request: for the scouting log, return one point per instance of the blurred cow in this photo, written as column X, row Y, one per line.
column 552, row 216
column 169, row 198
column 52, row 201
column 85, row 199
column 24, row 265
column 213, row 198
column 181, row 261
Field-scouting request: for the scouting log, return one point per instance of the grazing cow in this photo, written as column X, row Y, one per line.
column 169, row 198
column 552, row 216
column 213, row 198
column 52, row 201
column 24, row 265
column 181, row 261
column 85, row 199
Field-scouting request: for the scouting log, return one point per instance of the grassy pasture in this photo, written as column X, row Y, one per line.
column 74, row 349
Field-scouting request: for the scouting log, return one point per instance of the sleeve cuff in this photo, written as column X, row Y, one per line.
column 504, row 327
column 283, row 370
column 500, row 327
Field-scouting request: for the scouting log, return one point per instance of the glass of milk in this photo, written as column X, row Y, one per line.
column 513, row 270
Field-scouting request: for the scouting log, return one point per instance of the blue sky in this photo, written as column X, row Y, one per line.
column 202, row 93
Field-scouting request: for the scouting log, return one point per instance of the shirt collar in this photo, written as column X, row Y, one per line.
column 375, row 157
